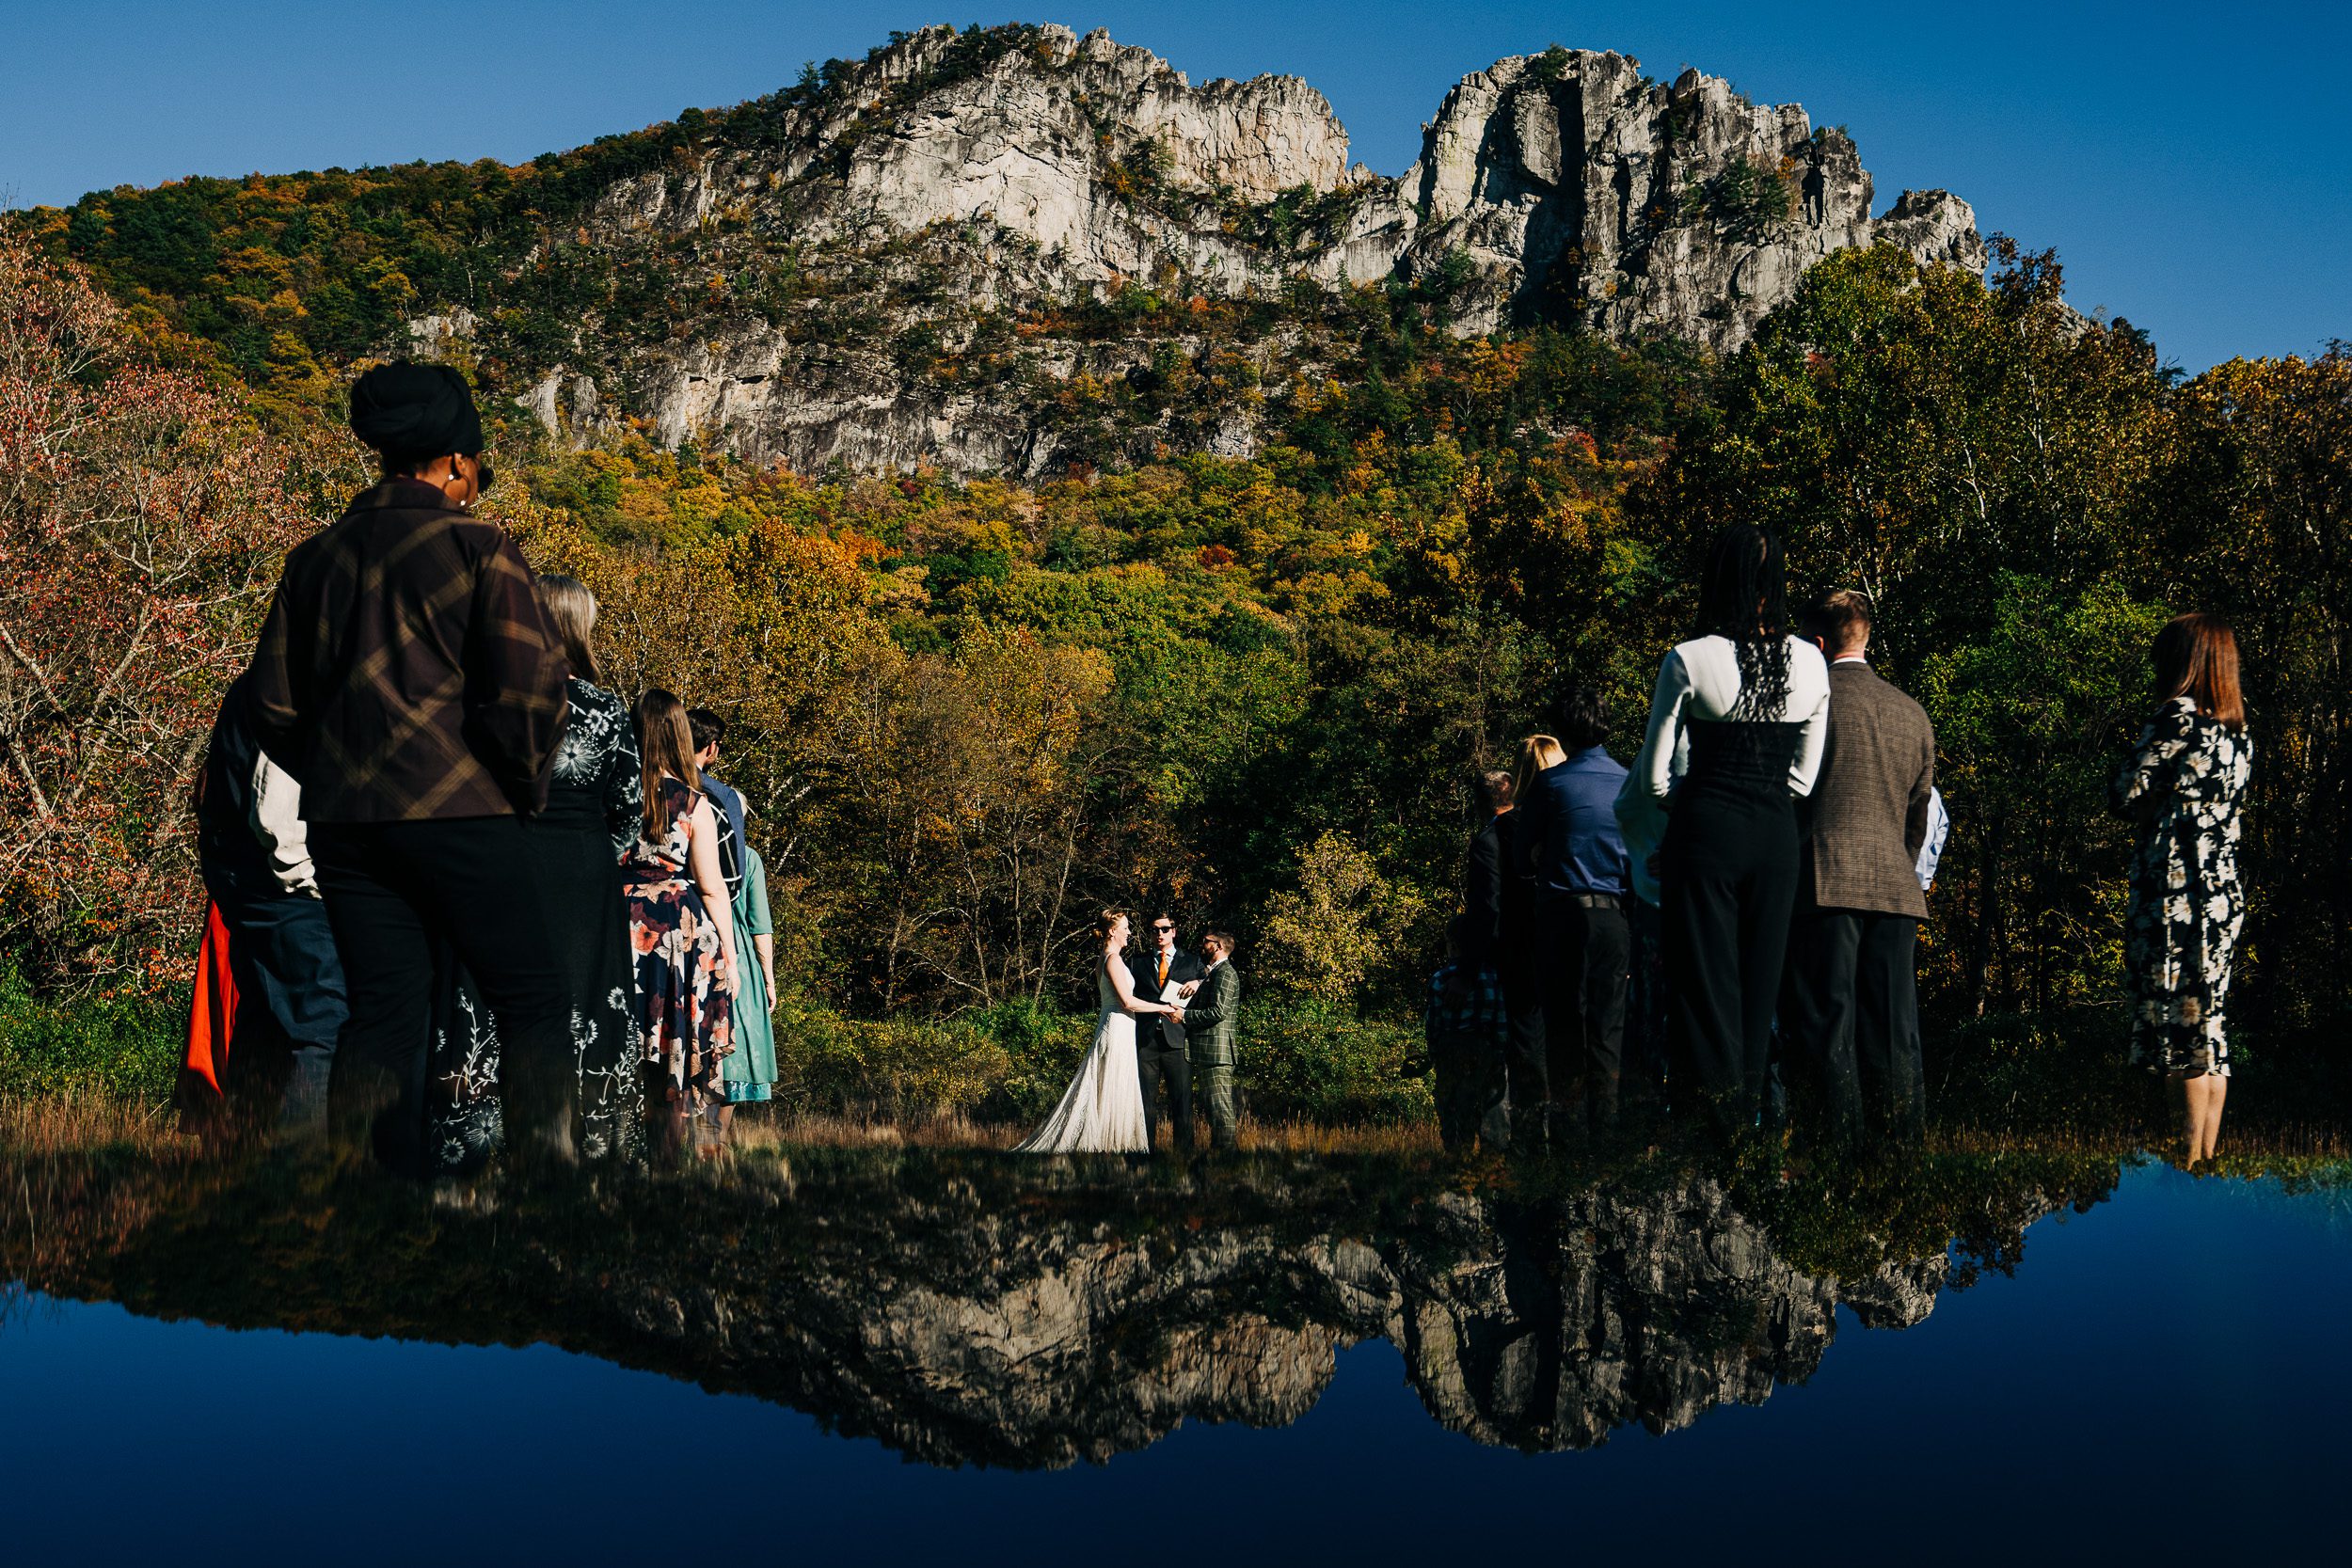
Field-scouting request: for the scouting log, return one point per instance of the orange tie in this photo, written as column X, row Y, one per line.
column 1162, row 969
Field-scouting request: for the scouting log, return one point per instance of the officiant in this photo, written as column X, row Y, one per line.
column 1162, row 1050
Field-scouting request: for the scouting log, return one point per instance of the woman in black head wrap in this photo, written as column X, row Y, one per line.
column 424, row 425
column 408, row 678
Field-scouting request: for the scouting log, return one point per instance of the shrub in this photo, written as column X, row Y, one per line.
column 123, row 1047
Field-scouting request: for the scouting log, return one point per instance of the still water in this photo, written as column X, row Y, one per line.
column 972, row 1360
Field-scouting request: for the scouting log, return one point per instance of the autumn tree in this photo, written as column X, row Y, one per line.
column 142, row 520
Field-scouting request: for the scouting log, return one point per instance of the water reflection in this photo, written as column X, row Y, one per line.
column 971, row 1309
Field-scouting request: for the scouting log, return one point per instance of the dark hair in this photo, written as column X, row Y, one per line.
column 572, row 612
column 1840, row 618
column 1580, row 717
column 1744, row 597
column 707, row 727
column 2197, row 658
column 665, row 746
column 1224, row 940
column 1494, row 787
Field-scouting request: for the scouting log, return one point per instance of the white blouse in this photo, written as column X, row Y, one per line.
column 1700, row 680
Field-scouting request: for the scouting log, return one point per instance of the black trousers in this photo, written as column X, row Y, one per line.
column 1156, row 1063
column 1729, row 874
column 1518, row 965
column 1644, row 1071
column 405, row 898
column 1587, row 954
column 1851, row 1009
column 1467, row 1081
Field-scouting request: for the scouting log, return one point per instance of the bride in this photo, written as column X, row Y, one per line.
column 1102, row 1111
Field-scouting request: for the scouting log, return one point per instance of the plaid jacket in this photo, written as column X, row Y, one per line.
column 405, row 670
column 1213, row 1017
column 1465, row 1001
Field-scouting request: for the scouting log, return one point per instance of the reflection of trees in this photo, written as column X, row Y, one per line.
column 969, row 1310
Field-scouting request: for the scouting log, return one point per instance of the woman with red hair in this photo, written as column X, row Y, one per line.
column 2183, row 784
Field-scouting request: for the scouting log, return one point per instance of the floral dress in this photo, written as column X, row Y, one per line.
column 2184, row 783
column 685, row 1018
column 575, row 849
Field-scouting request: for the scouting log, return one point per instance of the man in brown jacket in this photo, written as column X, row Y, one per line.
column 408, row 678
column 1851, row 1006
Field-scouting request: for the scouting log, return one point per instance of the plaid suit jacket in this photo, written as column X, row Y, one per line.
column 406, row 671
column 1868, row 816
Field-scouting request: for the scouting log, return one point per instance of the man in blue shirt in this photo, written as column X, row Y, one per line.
column 1583, row 879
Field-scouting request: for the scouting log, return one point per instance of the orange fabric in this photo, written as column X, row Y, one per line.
column 1162, row 969
column 214, row 1012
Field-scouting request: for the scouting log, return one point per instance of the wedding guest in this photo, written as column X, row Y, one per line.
column 408, row 678
column 1850, row 1008
column 1212, row 1020
column 595, row 796
column 1750, row 703
column 253, row 850
column 749, row 1074
column 1497, row 935
column 2184, row 786
column 708, row 729
column 1568, row 834
column 1520, row 964
column 682, row 930
column 1464, row 1024
column 1162, row 1058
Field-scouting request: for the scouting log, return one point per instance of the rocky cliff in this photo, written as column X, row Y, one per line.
column 944, row 253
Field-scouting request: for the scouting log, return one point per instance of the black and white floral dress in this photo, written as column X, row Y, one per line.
column 2184, row 784
column 593, row 813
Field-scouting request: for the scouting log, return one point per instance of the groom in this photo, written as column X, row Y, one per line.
column 1160, row 1044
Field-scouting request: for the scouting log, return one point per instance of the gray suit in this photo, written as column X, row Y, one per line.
column 1850, row 1005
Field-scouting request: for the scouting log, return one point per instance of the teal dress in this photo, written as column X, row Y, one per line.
column 751, row 1073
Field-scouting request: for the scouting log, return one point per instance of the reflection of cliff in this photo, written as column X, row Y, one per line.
column 962, row 1311
column 1609, row 1308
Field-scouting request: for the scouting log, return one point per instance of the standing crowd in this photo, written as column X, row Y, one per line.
column 465, row 897
column 468, row 898
column 1730, row 926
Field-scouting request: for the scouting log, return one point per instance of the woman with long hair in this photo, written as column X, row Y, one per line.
column 2183, row 784
column 1537, row 754
column 682, row 931
column 595, row 795
column 1736, row 731
column 1102, row 1110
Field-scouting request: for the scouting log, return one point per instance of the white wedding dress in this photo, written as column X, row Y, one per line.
column 1102, row 1111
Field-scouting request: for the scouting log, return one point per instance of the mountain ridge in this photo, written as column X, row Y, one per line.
column 1011, row 249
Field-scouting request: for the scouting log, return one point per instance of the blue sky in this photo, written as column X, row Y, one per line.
column 2192, row 165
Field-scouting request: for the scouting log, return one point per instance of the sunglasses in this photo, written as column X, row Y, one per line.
column 1163, row 928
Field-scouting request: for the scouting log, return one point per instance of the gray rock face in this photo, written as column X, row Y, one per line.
column 1583, row 190
column 944, row 197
